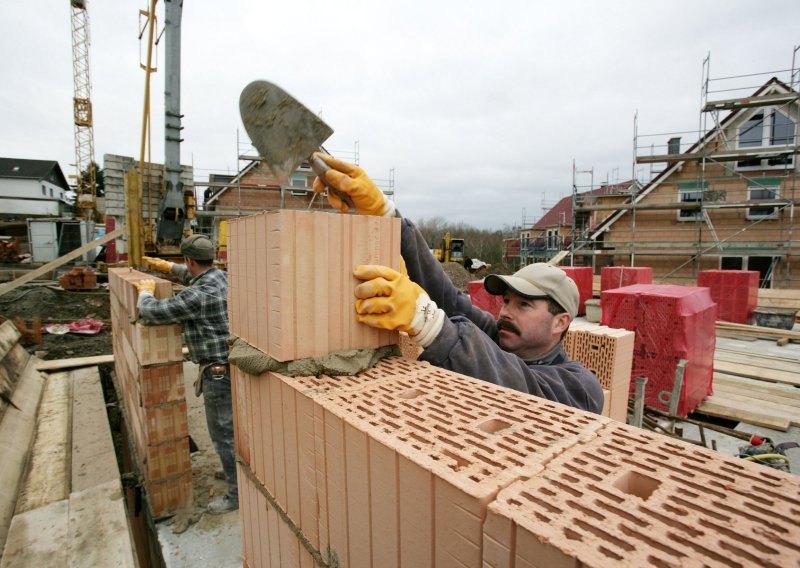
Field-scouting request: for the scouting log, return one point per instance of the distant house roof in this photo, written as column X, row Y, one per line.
column 33, row 169
column 561, row 212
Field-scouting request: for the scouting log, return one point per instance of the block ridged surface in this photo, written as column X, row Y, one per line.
column 291, row 280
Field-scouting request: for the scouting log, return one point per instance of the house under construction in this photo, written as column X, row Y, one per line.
column 725, row 201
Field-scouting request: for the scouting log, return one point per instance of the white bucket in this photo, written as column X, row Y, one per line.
column 593, row 310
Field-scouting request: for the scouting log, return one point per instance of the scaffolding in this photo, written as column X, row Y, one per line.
column 761, row 155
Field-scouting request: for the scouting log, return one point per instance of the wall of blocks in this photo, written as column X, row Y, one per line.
column 148, row 361
column 410, row 465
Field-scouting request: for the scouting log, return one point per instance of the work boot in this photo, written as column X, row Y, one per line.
column 223, row 505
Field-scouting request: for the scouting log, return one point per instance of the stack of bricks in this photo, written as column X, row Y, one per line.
column 582, row 276
column 79, row 279
column 608, row 353
column 148, row 361
column 671, row 323
column 619, row 276
column 734, row 291
column 410, row 465
column 406, row 464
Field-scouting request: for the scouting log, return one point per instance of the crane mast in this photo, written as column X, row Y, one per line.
column 82, row 111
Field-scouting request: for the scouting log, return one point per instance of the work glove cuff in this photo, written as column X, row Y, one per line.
column 142, row 295
column 427, row 322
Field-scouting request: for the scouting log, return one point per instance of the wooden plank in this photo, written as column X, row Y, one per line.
column 9, row 336
column 98, row 528
column 783, row 404
column 757, row 405
column 93, row 459
column 758, row 331
column 787, row 392
column 61, row 364
column 743, row 414
column 754, row 360
column 33, row 274
column 759, row 356
column 38, row 537
column 16, row 436
column 47, row 480
column 760, row 373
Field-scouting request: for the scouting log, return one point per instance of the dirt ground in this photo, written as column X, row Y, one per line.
column 55, row 305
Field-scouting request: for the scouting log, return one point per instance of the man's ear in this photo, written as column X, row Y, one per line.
column 561, row 323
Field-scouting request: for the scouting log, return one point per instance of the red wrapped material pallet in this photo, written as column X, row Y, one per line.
column 483, row 299
column 734, row 291
column 618, row 276
column 671, row 323
column 582, row 275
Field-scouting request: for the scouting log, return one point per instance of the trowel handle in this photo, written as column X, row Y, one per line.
column 320, row 167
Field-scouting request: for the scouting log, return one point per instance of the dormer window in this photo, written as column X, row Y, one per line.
column 764, row 129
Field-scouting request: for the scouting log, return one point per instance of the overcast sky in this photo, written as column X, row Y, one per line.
column 479, row 108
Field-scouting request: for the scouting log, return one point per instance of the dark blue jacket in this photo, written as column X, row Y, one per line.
column 468, row 342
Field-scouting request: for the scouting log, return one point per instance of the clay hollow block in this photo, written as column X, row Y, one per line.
column 291, row 280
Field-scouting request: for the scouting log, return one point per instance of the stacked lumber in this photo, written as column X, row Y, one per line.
column 775, row 298
column 770, row 405
column 751, row 332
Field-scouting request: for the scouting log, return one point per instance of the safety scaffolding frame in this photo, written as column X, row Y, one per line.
column 712, row 148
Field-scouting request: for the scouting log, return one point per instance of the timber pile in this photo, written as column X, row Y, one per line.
column 774, row 298
column 61, row 501
column 769, row 405
column 751, row 332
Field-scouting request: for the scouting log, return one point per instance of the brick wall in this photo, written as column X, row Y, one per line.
column 148, row 361
column 410, row 465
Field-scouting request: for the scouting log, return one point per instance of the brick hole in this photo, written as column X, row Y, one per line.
column 637, row 484
column 605, row 535
column 610, row 554
column 575, row 535
column 704, row 510
column 512, row 450
column 493, row 426
column 408, row 394
column 459, row 461
column 637, row 534
column 658, row 562
column 487, row 460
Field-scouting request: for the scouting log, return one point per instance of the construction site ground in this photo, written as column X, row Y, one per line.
column 193, row 536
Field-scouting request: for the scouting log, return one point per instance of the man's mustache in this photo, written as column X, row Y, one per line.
column 508, row 326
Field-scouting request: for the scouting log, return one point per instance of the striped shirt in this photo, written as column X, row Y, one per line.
column 202, row 308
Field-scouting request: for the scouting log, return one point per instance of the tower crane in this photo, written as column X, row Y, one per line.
column 82, row 110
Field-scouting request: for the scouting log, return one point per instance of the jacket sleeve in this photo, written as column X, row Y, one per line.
column 464, row 348
column 424, row 269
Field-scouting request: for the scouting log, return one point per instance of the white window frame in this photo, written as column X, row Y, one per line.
column 767, row 141
column 775, row 190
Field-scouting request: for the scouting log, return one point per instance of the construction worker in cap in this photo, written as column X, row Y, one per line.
column 520, row 350
column 202, row 308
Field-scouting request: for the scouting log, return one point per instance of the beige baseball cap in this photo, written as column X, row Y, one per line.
column 198, row 247
column 538, row 280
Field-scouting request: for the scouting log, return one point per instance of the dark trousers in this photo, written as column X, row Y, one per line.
column 219, row 417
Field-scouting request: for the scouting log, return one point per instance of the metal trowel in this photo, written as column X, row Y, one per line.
column 284, row 131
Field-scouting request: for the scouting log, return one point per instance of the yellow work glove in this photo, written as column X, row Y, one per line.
column 388, row 299
column 146, row 286
column 354, row 182
column 157, row 264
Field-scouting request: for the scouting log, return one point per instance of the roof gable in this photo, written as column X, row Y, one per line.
column 562, row 211
column 774, row 85
column 33, row 169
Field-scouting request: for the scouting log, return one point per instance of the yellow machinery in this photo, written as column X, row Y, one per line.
column 451, row 250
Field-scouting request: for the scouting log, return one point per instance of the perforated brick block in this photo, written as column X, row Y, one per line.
column 121, row 283
column 167, row 460
column 156, row 344
column 168, row 495
column 635, row 498
column 582, row 276
column 620, row 276
column 734, row 291
column 292, row 286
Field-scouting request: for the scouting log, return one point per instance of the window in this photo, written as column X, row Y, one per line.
column 765, row 128
column 51, row 192
column 769, row 190
column 299, row 186
column 690, row 192
column 44, row 191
